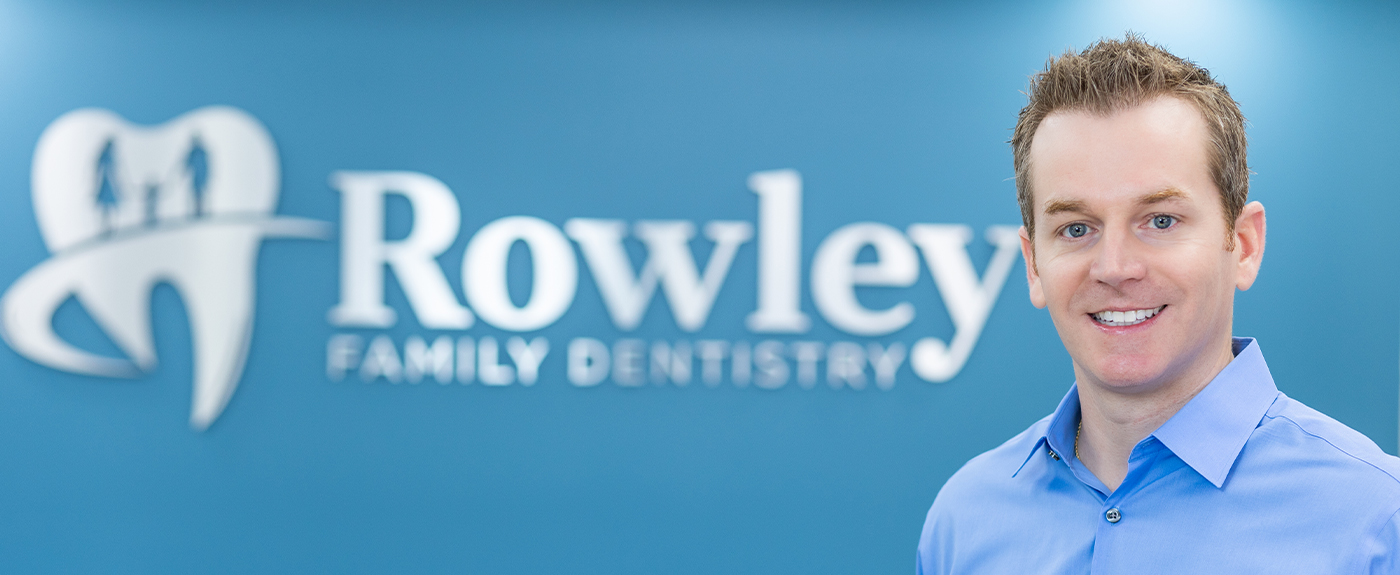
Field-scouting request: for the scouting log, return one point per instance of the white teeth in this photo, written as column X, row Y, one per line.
column 1123, row 318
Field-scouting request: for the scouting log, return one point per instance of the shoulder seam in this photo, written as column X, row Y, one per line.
column 1334, row 446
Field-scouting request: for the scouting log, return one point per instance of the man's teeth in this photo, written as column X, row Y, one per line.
column 1120, row 318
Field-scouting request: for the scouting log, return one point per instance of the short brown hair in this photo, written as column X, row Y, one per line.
column 1112, row 75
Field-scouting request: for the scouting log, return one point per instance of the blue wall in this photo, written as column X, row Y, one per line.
column 893, row 112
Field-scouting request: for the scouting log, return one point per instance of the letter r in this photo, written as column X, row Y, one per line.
column 364, row 253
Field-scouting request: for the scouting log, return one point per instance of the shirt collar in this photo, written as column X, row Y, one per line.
column 1063, row 426
column 1209, row 432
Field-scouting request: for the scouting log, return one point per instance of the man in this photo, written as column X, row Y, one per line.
column 1173, row 452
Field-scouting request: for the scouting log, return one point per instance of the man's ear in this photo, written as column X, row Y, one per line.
column 1249, row 244
column 1032, row 275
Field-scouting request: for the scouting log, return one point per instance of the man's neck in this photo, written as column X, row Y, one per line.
column 1112, row 422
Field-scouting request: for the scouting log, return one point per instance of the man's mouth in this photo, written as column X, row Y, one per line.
column 1126, row 318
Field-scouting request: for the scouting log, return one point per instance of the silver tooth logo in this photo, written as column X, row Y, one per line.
column 161, row 224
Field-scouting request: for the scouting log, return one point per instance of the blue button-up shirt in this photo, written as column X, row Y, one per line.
column 1242, row 480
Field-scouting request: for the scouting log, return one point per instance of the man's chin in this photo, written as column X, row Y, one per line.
column 1127, row 375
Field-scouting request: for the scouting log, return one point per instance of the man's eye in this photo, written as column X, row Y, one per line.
column 1163, row 222
column 1075, row 230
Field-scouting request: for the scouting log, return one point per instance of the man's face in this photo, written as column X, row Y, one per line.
column 1129, row 248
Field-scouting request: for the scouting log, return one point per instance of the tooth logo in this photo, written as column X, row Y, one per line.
column 123, row 207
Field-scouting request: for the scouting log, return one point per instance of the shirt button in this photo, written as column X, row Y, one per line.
column 1054, row 455
column 1113, row 515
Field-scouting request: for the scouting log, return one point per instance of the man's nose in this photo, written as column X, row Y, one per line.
column 1120, row 258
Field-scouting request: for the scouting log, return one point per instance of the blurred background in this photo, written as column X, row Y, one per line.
column 893, row 113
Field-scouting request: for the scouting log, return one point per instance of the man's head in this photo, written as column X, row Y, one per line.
column 1130, row 239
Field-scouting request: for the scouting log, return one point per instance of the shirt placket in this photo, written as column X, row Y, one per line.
column 1114, row 521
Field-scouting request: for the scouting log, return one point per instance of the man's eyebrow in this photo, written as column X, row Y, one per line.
column 1162, row 196
column 1053, row 207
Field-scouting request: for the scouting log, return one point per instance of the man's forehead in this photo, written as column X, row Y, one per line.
column 1165, row 120
column 1149, row 153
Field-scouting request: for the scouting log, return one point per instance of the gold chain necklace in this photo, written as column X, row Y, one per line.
column 1076, row 439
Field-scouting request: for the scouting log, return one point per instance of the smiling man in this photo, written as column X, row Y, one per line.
column 1173, row 452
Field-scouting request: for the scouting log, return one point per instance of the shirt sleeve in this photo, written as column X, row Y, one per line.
column 1383, row 551
column 935, row 543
